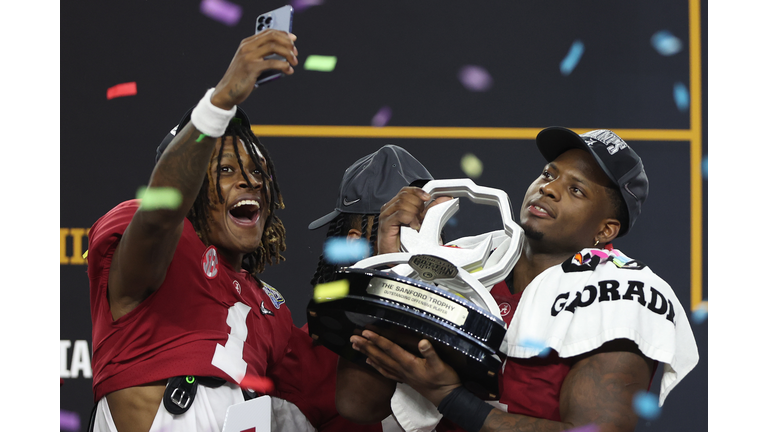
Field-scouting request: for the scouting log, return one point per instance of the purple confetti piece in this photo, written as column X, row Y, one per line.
column 475, row 78
column 300, row 5
column 382, row 117
column 666, row 43
column 588, row 428
column 222, row 11
column 70, row 421
column 572, row 58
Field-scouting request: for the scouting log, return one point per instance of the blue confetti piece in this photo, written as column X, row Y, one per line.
column 682, row 99
column 572, row 59
column 666, row 43
column 646, row 405
column 453, row 222
column 339, row 250
column 699, row 315
column 705, row 167
column 537, row 345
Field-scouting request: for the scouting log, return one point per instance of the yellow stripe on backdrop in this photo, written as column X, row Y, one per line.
column 697, row 228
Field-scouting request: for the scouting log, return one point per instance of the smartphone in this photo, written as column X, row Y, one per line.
column 278, row 19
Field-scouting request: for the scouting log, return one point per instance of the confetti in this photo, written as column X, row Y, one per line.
column 120, row 90
column 666, row 43
column 331, row 290
column 537, row 345
column 300, row 5
column 159, row 198
column 471, row 165
column 705, row 167
column 646, row 405
column 475, row 78
column 341, row 250
column 682, row 100
column 222, row 11
column 85, row 254
column 320, row 63
column 588, row 428
column 572, row 58
column 70, row 421
column 257, row 384
column 699, row 314
column 382, row 117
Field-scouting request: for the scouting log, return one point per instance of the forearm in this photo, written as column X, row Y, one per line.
column 182, row 166
column 499, row 420
column 362, row 394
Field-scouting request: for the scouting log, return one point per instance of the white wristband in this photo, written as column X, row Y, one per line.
column 209, row 119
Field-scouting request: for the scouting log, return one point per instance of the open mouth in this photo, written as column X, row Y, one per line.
column 245, row 212
column 539, row 211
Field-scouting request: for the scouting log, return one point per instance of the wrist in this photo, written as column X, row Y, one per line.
column 438, row 396
column 219, row 100
column 465, row 409
column 209, row 119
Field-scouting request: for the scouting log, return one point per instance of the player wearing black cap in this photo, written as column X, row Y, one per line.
column 605, row 319
column 367, row 184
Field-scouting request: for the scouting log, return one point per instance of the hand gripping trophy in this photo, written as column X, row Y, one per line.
column 431, row 290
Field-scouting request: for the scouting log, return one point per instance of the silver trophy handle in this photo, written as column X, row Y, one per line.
column 482, row 261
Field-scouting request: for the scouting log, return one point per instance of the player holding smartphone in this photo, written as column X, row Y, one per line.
column 180, row 317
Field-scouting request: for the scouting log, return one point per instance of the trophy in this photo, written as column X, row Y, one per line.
column 430, row 290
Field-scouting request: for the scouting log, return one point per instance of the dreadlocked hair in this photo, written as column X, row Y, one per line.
column 339, row 227
column 273, row 237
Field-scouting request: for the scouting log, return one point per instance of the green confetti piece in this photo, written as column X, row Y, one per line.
column 320, row 63
column 471, row 165
column 331, row 291
column 167, row 198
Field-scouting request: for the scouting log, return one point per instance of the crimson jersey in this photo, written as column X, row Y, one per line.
column 529, row 387
column 207, row 320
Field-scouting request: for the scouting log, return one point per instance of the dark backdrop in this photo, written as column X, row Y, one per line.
column 401, row 54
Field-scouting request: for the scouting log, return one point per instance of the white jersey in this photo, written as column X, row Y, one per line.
column 598, row 296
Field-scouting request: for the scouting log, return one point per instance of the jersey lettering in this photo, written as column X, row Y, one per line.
column 229, row 358
column 609, row 291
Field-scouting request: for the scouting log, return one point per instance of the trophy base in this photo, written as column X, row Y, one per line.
column 464, row 336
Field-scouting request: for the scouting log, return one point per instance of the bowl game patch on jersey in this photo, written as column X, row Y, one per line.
column 273, row 294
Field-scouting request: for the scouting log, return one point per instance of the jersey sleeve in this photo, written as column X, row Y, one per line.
column 102, row 242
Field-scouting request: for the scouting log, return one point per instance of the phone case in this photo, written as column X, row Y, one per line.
column 278, row 19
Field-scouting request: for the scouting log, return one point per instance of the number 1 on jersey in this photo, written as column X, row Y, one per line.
column 229, row 357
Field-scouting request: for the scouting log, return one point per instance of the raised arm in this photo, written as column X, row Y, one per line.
column 147, row 247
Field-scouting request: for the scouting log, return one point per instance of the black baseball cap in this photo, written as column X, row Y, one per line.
column 240, row 117
column 622, row 165
column 373, row 180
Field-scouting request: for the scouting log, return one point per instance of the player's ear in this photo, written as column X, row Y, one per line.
column 610, row 228
column 354, row 234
